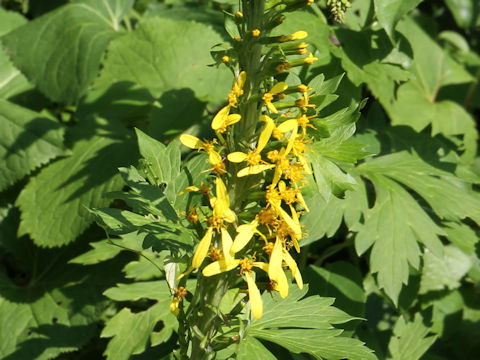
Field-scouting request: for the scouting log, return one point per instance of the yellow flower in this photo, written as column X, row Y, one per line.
column 245, row 234
column 237, row 89
column 275, row 271
column 202, row 249
column 255, row 33
column 214, row 158
column 256, row 303
column 310, row 59
column 298, row 35
column 224, row 119
column 268, row 96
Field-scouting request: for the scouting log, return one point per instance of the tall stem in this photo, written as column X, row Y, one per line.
column 214, row 289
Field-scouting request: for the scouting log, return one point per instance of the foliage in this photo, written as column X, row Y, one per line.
column 94, row 233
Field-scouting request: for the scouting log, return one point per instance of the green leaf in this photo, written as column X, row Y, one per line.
column 330, row 178
column 445, row 272
column 463, row 236
column 29, row 140
column 448, row 196
column 102, row 250
column 163, row 162
column 130, row 332
column 48, row 306
column 409, row 340
column 393, row 227
column 60, row 52
column 164, row 54
column 325, row 217
column 305, row 326
column 54, row 203
column 12, row 82
column 463, row 11
column 389, row 12
column 431, row 76
column 340, row 280
column 251, row 348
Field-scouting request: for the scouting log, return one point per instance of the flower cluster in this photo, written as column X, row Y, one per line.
column 254, row 193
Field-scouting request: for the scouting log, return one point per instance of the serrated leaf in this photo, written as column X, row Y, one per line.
column 305, row 326
column 251, row 348
column 68, row 44
column 340, row 280
column 389, row 12
column 102, row 250
column 164, row 162
column 54, row 203
column 325, row 217
column 445, row 272
column 56, row 307
column 410, row 340
column 393, row 227
column 330, row 179
column 142, row 324
column 149, row 57
column 10, row 20
column 125, row 323
column 28, row 141
column 448, row 196
column 462, row 235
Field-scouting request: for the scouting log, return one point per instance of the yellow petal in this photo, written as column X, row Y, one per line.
column 223, row 201
column 189, row 189
column 261, row 265
column 242, row 77
column 237, row 157
column 278, row 88
column 229, row 216
column 293, row 268
column 252, row 170
column 282, row 284
column 245, row 233
column 275, row 264
column 256, row 303
column 287, row 126
column 271, row 107
column 291, row 140
column 202, row 249
column 191, row 141
column 233, row 119
column 301, row 201
column 221, row 117
column 214, row 158
column 265, row 134
column 220, row 266
column 226, row 244
column 292, row 224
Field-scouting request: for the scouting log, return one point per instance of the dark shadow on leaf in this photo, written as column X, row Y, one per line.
column 176, row 111
column 33, row 131
column 54, row 336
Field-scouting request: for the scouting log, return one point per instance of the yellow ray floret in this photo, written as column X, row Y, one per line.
column 268, row 96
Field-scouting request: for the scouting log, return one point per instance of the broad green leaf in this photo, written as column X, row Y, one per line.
column 55, row 203
column 12, row 81
column 163, row 162
column 449, row 197
column 102, row 250
column 46, row 305
column 393, row 227
column 28, row 141
column 364, row 57
column 9, row 20
column 164, row 54
column 330, row 179
column 60, row 52
column 131, row 332
column 462, row 235
column 251, row 348
column 325, row 217
column 389, row 12
column 141, row 324
column 445, row 117
column 305, row 326
column 340, row 280
column 446, row 272
column 410, row 340
column 447, row 308
column 463, row 12
column 431, row 75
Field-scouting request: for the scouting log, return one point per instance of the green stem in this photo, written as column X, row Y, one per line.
column 206, row 316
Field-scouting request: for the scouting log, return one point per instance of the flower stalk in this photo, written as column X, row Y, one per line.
column 259, row 149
